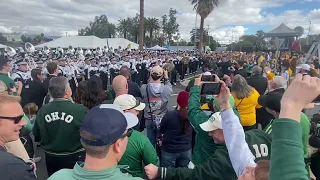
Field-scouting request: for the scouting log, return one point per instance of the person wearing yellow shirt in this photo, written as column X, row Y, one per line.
column 246, row 100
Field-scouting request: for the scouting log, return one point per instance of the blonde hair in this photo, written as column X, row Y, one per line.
column 240, row 88
column 9, row 99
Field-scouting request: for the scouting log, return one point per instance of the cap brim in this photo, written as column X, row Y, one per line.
column 132, row 120
column 140, row 107
column 207, row 126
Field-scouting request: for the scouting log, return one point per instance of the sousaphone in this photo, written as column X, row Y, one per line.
column 185, row 60
column 168, row 66
column 9, row 51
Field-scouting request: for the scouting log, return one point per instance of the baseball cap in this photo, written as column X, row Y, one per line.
column 304, row 67
column 213, row 123
column 106, row 123
column 271, row 101
column 127, row 102
column 157, row 70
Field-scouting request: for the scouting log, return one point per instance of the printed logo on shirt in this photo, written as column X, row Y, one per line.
column 54, row 116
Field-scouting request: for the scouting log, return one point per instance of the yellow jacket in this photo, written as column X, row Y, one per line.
column 247, row 108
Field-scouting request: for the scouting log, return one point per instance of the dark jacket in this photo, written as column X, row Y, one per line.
column 46, row 82
column 133, row 89
column 175, row 140
column 259, row 82
column 242, row 72
column 37, row 93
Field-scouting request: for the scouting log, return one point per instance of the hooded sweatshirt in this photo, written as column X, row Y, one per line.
column 157, row 98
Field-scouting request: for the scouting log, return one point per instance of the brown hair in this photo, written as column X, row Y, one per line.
column 34, row 73
column 51, row 67
column 261, row 172
column 95, row 151
column 30, row 109
column 184, row 119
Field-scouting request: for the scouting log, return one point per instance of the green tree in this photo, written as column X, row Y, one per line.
column 100, row 27
column 170, row 25
column 203, row 8
column 25, row 39
column 196, row 33
column 2, row 38
column 124, row 27
column 183, row 42
column 299, row 31
column 152, row 25
column 260, row 43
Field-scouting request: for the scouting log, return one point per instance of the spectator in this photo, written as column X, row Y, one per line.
column 94, row 94
column 11, row 122
column 133, row 88
column 57, row 125
column 53, row 71
column 104, row 135
column 81, row 89
column 37, row 92
column 246, row 99
column 156, row 95
column 177, row 135
column 271, row 102
column 217, row 166
column 257, row 81
column 278, row 84
column 139, row 149
column 240, row 69
column 4, row 71
column 120, row 86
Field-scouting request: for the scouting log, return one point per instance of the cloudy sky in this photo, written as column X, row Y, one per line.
column 229, row 21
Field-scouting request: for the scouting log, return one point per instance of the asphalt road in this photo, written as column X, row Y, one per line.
column 41, row 166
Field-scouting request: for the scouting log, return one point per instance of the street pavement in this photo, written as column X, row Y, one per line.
column 41, row 166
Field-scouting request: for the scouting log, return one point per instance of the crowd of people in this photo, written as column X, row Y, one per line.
column 255, row 128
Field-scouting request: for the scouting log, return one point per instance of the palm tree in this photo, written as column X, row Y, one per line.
column 124, row 27
column 299, row 31
column 141, row 36
column 203, row 8
column 152, row 24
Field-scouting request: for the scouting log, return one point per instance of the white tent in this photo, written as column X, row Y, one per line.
column 84, row 42
column 157, row 48
column 124, row 43
column 2, row 46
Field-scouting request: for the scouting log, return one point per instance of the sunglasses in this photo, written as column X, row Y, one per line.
column 16, row 119
column 128, row 134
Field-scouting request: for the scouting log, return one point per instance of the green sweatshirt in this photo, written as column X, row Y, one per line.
column 204, row 144
column 305, row 127
column 287, row 161
column 6, row 80
column 57, row 125
column 218, row 165
column 139, row 153
column 79, row 173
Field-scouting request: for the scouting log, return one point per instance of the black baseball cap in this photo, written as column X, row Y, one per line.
column 271, row 100
column 106, row 123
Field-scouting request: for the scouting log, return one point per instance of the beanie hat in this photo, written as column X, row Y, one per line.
column 182, row 99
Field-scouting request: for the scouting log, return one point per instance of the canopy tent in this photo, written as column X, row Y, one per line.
column 2, row 46
column 157, row 48
column 281, row 31
column 124, row 43
column 84, row 42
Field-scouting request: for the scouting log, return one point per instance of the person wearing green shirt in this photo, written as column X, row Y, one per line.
column 4, row 77
column 271, row 102
column 140, row 151
column 204, row 144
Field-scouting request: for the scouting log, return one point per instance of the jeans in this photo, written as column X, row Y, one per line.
column 175, row 160
column 151, row 131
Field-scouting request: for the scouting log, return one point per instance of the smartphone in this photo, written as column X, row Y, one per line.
column 212, row 88
column 208, row 78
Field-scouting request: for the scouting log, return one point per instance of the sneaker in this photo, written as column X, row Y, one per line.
column 174, row 84
column 36, row 159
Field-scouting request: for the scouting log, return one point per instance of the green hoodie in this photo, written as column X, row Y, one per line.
column 204, row 144
column 79, row 173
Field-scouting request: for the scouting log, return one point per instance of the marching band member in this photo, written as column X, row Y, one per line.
column 23, row 75
column 104, row 72
column 93, row 68
column 113, row 69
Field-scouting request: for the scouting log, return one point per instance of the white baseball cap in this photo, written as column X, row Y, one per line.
column 127, row 102
column 304, row 67
column 213, row 123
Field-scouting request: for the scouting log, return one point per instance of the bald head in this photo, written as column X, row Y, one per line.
column 120, row 85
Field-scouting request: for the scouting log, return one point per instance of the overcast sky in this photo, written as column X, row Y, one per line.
column 229, row 21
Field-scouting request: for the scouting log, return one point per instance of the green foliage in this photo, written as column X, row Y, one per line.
column 100, row 27
column 169, row 24
column 36, row 40
column 299, row 30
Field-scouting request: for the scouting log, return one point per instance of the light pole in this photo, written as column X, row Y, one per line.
column 308, row 33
